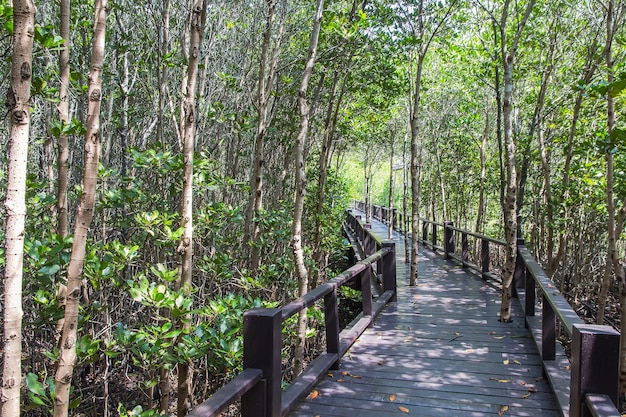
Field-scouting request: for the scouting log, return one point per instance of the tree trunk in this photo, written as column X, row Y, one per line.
column 185, row 246
column 415, row 195
column 296, row 229
column 390, row 203
column 64, row 117
column 510, row 203
column 483, row 176
column 84, row 216
column 267, row 71
column 18, row 103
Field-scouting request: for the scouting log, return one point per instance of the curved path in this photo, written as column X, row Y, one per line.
column 438, row 351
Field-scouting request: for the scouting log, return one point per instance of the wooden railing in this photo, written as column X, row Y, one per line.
column 259, row 385
column 587, row 383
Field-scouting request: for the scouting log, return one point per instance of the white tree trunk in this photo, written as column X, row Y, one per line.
column 18, row 101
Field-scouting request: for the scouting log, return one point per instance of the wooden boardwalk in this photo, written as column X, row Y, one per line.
column 439, row 351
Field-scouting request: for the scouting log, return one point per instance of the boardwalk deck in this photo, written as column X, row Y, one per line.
column 439, row 351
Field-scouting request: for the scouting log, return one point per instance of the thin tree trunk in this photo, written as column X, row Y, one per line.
column 610, row 198
column 405, row 201
column 18, row 103
column 510, row 213
column 164, row 31
column 391, row 219
column 185, row 246
column 296, row 229
column 483, row 176
column 84, row 216
column 442, row 188
column 415, row 195
column 64, row 117
column 267, row 71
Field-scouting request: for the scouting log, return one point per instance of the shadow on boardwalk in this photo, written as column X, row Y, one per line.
column 439, row 351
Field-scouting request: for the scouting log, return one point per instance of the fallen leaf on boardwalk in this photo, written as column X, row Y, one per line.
column 499, row 337
column 526, row 396
column 381, row 362
column 503, row 410
column 500, row 380
column 356, row 376
column 330, row 375
column 490, row 333
column 522, row 383
column 515, row 361
column 469, row 350
column 404, row 410
column 549, row 285
column 345, row 373
column 392, row 397
column 341, row 380
column 532, row 389
column 313, row 394
column 506, row 361
column 568, row 368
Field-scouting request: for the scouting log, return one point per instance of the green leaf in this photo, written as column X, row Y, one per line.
column 34, row 385
column 49, row 270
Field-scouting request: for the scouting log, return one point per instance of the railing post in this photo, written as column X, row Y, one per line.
column 529, row 296
column 520, row 270
column 448, row 244
column 464, row 249
column 548, row 332
column 424, row 232
column 261, row 350
column 484, row 257
column 366, row 290
column 595, row 364
column 331, row 318
column 389, row 269
column 434, row 236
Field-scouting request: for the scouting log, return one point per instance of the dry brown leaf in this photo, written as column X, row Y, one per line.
column 330, row 375
column 506, row 361
column 526, row 396
column 381, row 362
column 492, row 332
column 532, row 389
column 503, row 410
column 499, row 337
column 392, row 397
column 356, row 376
column 522, row 383
column 404, row 409
column 515, row 361
column 314, row 394
column 345, row 373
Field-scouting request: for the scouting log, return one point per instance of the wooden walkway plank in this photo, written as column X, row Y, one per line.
column 438, row 351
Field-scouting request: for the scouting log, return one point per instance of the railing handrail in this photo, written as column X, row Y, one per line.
column 259, row 385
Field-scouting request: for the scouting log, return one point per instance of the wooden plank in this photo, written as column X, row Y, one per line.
column 228, row 394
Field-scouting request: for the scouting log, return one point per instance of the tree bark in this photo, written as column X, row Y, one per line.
column 18, row 103
column 84, row 216
column 185, row 246
column 64, row 117
column 510, row 213
column 296, row 228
